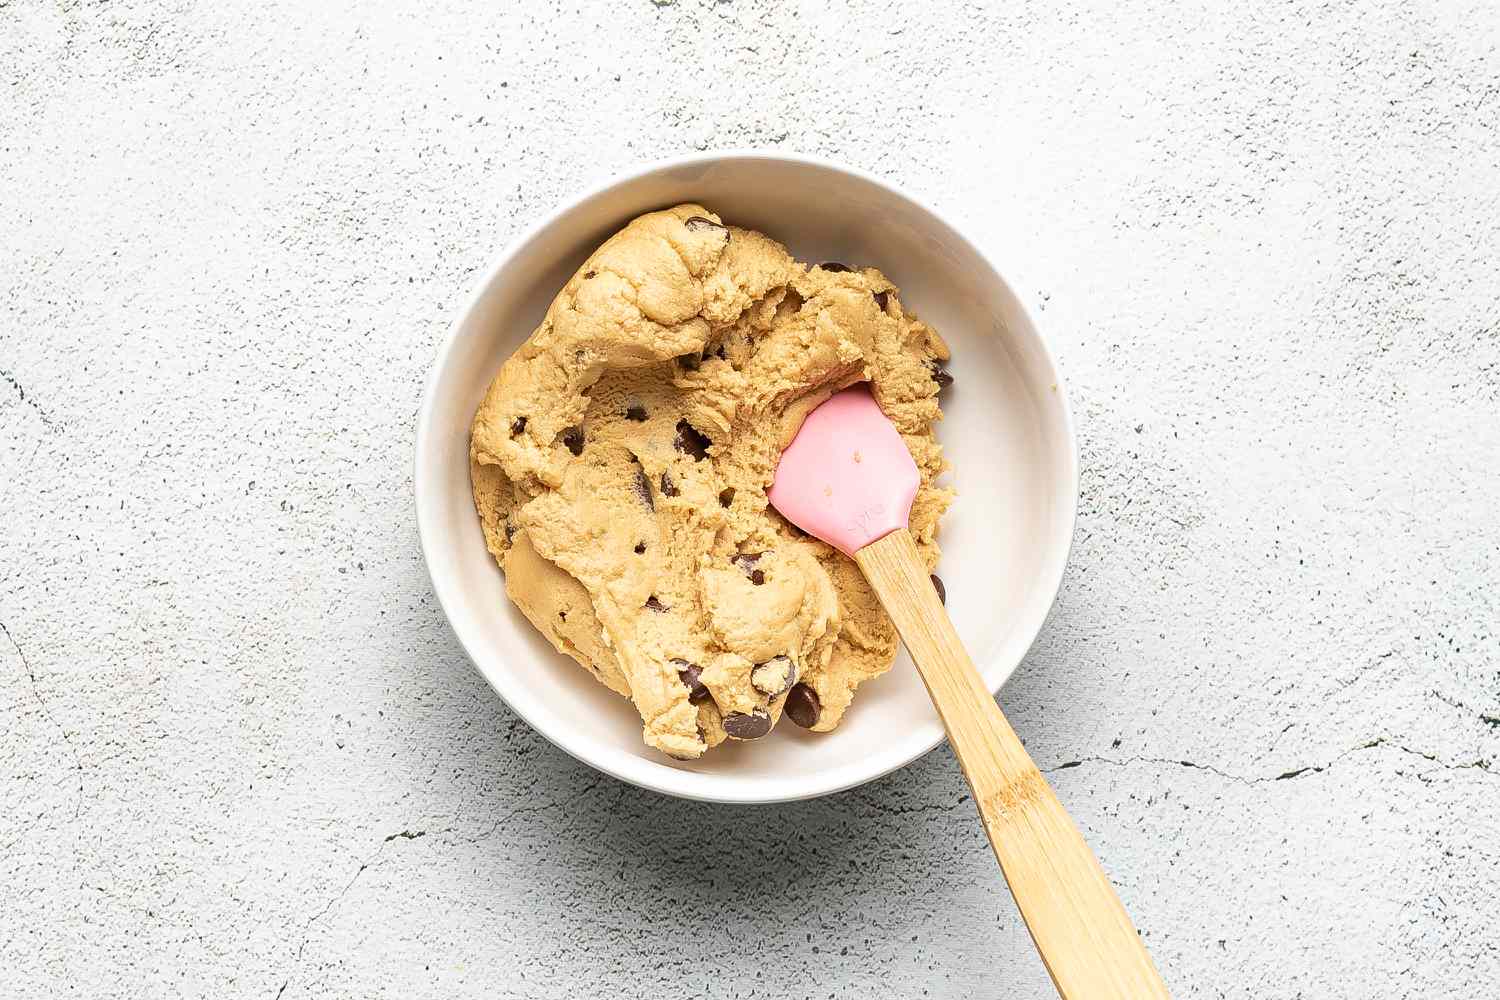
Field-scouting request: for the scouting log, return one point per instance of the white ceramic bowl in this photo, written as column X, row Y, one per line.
column 1008, row 433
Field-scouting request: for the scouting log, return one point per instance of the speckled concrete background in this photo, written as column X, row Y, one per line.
column 242, row 754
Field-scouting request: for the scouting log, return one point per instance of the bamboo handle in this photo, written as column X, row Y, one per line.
column 1085, row 937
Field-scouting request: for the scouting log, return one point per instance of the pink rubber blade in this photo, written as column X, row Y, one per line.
column 847, row 476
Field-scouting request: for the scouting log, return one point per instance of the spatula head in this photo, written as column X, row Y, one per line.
column 847, row 476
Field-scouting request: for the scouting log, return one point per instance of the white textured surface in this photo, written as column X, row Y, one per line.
column 242, row 756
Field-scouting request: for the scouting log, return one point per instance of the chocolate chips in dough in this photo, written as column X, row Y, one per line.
column 620, row 461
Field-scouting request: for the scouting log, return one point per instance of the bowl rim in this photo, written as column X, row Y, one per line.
column 628, row 767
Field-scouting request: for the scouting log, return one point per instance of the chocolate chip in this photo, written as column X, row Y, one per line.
column 640, row 550
column 774, row 676
column 643, row 489
column 653, row 604
column 690, row 362
column 636, row 412
column 668, row 488
column 937, row 584
column 939, row 374
column 589, row 274
column 802, row 706
column 698, row 224
column 510, row 531
column 690, row 442
column 572, row 439
column 688, row 674
column 517, row 426
column 835, row 266
column 726, row 496
column 746, row 562
column 740, row 726
column 880, row 300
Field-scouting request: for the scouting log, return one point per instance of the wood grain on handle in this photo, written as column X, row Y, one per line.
column 1085, row 937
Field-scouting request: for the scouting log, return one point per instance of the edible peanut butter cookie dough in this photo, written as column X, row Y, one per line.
column 620, row 461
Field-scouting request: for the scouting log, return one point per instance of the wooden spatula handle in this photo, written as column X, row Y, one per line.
column 1085, row 937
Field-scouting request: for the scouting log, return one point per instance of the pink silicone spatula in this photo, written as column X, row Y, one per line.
column 848, row 479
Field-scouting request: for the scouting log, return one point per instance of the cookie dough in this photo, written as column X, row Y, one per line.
column 620, row 461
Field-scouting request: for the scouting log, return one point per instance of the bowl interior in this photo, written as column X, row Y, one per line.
column 1007, row 433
